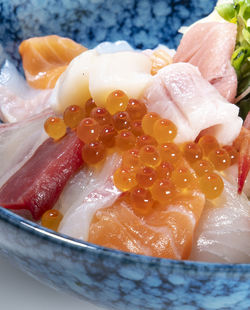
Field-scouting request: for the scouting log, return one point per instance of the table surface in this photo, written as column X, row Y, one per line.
column 20, row 291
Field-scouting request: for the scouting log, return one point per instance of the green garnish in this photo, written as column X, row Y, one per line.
column 238, row 13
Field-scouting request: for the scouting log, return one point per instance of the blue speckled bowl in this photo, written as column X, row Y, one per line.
column 107, row 277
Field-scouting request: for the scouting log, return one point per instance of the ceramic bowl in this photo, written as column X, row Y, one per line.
column 106, row 277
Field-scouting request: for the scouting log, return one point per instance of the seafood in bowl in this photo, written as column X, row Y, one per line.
column 144, row 146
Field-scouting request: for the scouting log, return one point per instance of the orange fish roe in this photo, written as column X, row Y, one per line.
column 192, row 152
column 145, row 140
column 211, row 184
column 208, row 143
column 131, row 159
column 146, row 176
column 125, row 140
column 220, row 158
column 148, row 122
column 163, row 191
column 141, row 200
column 164, row 130
column 89, row 106
column 107, row 136
column 136, row 109
column 164, row 170
column 124, row 179
column 88, row 130
column 93, row 152
column 233, row 153
column 73, row 115
column 136, row 128
column 169, row 152
column 202, row 166
column 121, row 120
column 101, row 115
column 154, row 170
column 55, row 127
column 150, row 156
column 116, row 101
column 51, row 219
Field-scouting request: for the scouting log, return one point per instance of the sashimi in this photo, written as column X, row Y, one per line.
column 179, row 93
column 166, row 231
column 46, row 58
column 223, row 232
column 37, row 185
column 211, row 53
column 18, row 101
column 89, row 190
column 19, row 141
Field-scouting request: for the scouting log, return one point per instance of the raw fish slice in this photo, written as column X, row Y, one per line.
column 223, row 232
column 18, row 142
column 87, row 191
column 36, row 186
column 179, row 92
column 209, row 46
column 167, row 231
column 18, row 101
column 46, row 58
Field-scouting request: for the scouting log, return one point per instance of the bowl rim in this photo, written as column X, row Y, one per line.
column 79, row 245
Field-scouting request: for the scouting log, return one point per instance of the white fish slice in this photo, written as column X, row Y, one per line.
column 18, row 100
column 179, row 93
column 223, row 232
column 87, row 192
column 18, row 142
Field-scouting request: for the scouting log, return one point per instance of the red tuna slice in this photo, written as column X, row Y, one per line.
column 209, row 46
column 37, row 185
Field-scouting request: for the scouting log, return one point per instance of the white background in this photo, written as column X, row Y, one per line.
column 19, row 291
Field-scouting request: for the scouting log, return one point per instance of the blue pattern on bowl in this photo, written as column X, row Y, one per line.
column 107, row 277
column 121, row 280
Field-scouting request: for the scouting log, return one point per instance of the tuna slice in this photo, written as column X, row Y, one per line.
column 37, row 185
column 179, row 92
column 223, row 232
column 209, row 46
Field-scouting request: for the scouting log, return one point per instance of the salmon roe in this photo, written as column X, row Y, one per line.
column 163, row 190
column 149, row 156
column 211, row 184
column 164, row 130
column 220, row 159
column 124, row 179
column 192, row 152
column 148, row 122
column 89, row 106
column 101, row 115
column 93, row 152
column 145, row 140
column 136, row 109
column 151, row 169
column 88, row 130
column 131, row 159
column 208, row 143
column 51, row 219
column 55, row 127
column 117, row 101
column 141, row 200
column 146, row 176
column 73, row 115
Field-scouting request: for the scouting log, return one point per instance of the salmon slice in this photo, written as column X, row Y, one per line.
column 209, row 46
column 167, row 231
column 46, row 58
